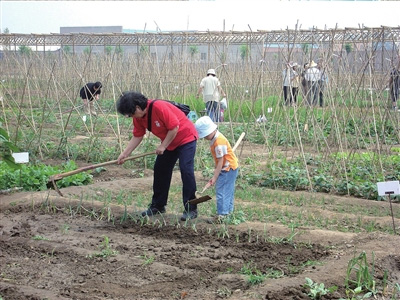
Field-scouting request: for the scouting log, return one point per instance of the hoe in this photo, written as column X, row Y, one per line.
column 53, row 179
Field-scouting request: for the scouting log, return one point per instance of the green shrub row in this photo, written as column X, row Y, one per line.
column 339, row 174
column 34, row 177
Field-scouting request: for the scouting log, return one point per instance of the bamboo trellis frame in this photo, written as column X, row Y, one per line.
column 314, row 35
column 55, row 80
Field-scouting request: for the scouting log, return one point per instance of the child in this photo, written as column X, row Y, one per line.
column 226, row 166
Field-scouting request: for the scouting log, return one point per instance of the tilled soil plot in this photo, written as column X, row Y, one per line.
column 51, row 248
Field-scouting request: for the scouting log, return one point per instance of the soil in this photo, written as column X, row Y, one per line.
column 54, row 247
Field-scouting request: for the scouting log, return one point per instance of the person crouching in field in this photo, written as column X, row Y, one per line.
column 90, row 92
column 226, row 166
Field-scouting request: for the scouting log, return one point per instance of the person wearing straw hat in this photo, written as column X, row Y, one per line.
column 178, row 143
column 90, row 92
column 313, row 76
column 226, row 166
column 394, row 85
column 211, row 89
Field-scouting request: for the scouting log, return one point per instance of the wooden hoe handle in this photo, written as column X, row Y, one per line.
column 91, row 167
column 238, row 141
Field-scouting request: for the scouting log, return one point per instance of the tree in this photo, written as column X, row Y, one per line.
column 305, row 48
column 6, row 47
column 143, row 50
column 119, row 49
column 66, row 49
column 25, row 50
column 193, row 50
column 108, row 50
column 87, row 50
column 348, row 48
column 244, row 51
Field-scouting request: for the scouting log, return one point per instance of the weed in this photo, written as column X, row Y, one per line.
column 236, row 218
column 48, row 255
column 147, row 259
column 396, row 290
column 64, row 228
column 254, row 276
column 106, row 250
column 274, row 273
column 40, row 238
column 224, row 292
column 316, row 290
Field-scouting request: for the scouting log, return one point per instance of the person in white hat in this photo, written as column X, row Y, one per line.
column 226, row 166
column 211, row 88
column 313, row 76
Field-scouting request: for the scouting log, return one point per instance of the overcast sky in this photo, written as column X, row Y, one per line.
column 240, row 15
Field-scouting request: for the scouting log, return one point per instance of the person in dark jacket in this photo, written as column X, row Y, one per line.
column 394, row 85
column 90, row 92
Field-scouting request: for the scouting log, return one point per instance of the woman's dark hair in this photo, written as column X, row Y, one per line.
column 98, row 85
column 127, row 102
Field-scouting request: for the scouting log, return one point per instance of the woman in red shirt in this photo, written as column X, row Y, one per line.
column 178, row 142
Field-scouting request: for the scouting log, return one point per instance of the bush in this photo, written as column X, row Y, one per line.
column 33, row 177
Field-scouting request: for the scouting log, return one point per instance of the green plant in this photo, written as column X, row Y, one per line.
column 35, row 177
column 40, row 238
column 66, row 49
column 236, row 218
column 316, row 290
column 25, row 50
column 396, row 290
column 224, row 292
column 244, row 51
column 360, row 276
column 65, row 228
column 147, row 259
column 106, row 250
column 6, row 148
column 254, row 276
column 193, row 49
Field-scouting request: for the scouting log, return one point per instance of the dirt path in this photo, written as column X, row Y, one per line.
column 54, row 247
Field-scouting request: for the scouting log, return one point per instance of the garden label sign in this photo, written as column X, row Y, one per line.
column 386, row 189
column 21, row 158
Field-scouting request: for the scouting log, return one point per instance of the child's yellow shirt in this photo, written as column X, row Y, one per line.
column 220, row 147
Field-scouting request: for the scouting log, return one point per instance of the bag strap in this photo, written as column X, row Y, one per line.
column 149, row 115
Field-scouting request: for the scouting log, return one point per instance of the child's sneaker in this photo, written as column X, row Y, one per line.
column 218, row 219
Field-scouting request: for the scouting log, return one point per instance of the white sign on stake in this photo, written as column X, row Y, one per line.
column 21, row 158
column 388, row 187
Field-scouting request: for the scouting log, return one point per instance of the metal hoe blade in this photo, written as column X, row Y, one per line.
column 200, row 199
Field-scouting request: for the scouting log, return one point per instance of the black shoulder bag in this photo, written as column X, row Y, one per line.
column 183, row 107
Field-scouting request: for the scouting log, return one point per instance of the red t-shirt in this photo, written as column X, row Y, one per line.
column 165, row 117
